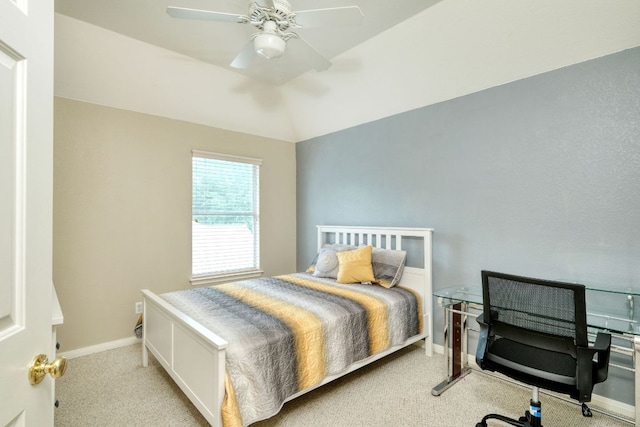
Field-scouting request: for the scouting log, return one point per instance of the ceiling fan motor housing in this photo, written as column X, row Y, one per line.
column 280, row 14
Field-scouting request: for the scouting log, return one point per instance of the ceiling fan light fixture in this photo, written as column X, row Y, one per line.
column 269, row 45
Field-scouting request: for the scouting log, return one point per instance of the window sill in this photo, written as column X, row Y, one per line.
column 224, row 278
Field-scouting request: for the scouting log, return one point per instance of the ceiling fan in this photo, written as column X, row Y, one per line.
column 275, row 21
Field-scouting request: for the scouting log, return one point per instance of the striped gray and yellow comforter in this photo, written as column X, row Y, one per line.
column 287, row 333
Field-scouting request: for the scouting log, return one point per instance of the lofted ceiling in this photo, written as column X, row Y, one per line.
column 218, row 43
column 407, row 54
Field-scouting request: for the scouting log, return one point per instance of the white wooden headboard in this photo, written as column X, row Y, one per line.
column 415, row 278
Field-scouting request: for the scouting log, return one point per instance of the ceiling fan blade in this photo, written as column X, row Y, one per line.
column 332, row 17
column 245, row 57
column 301, row 50
column 206, row 15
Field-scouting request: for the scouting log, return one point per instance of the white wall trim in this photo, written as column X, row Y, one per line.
column 85, row 351
column 598, row 403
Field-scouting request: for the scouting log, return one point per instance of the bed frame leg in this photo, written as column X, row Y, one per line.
column 145, row 352
column 145, row 355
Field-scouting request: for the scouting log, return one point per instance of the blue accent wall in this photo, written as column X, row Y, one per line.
column 539, row 177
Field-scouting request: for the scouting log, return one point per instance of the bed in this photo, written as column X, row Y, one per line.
column 188, row 342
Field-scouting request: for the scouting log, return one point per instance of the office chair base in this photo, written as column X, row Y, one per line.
column 526, row 421
column 532, row 417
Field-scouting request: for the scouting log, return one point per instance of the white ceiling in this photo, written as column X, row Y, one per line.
column 218, row 43
column 450, row 48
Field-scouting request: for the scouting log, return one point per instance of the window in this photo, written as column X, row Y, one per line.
column 225, row 221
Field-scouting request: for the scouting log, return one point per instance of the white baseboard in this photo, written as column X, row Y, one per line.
column 437, row 348
column 609, row 405
column 85, row 351
column 598, row 403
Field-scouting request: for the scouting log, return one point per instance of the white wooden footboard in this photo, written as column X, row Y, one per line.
column 193, row 355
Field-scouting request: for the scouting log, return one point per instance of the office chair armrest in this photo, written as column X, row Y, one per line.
column 603, row 342
column 602, row 347
column 483, row 340
column 590, row 372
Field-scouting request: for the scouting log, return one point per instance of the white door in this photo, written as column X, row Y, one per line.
column 26, row 172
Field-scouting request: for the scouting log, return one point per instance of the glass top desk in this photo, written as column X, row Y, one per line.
column 616, row 311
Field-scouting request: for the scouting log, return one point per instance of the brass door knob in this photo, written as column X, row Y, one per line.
column 41, row 366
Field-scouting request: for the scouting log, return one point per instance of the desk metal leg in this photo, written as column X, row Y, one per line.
column 457, row 365
column 636, row 374
column 456, row 342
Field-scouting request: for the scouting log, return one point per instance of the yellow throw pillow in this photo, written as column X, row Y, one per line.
column 355, row 266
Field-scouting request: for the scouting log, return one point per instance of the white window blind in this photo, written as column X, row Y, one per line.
column 225, row 221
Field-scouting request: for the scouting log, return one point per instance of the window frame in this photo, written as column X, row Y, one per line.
column 225, row 276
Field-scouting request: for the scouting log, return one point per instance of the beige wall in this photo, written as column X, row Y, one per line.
column 122, row 211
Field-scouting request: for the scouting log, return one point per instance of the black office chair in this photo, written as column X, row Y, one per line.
column 535, row 331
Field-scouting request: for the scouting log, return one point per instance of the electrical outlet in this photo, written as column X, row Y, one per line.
column 138, row 307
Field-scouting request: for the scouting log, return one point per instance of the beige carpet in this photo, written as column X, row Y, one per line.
column 113, row 389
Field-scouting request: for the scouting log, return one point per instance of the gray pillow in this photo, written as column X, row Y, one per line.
column 388, row 266
column 327, row 264
column 329, row 258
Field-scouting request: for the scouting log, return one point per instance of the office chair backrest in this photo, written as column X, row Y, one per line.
column 533, row 311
